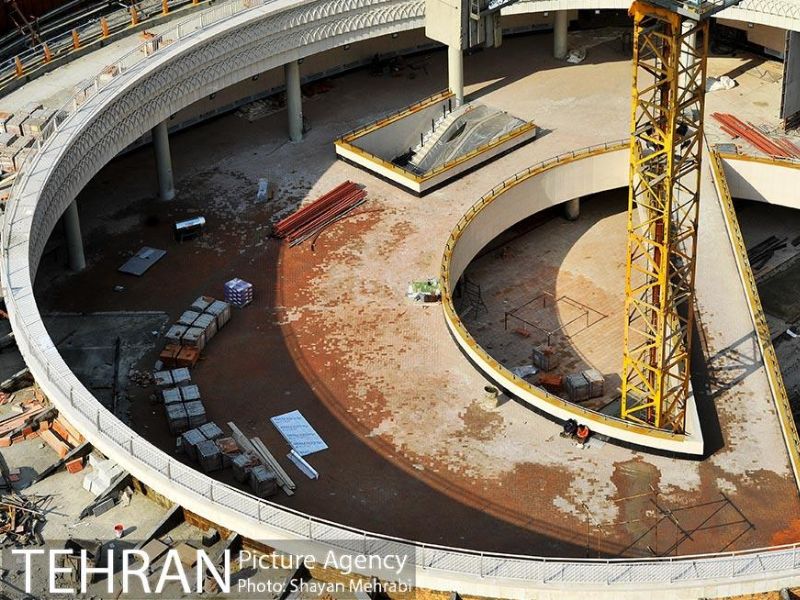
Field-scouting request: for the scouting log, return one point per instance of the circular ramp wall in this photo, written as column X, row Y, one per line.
column 199, row 61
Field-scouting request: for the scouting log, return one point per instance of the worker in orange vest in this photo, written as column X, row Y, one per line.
column 582, row 433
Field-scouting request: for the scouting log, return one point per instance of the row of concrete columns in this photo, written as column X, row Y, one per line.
column 163, row 157
column 294, row 109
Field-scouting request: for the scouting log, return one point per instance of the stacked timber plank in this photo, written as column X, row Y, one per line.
column 775, row 147
column 310, row 220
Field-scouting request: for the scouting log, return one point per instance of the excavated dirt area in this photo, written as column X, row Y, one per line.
column 413, row 452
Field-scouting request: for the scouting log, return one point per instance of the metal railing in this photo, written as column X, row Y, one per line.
column 770, row 358
column 459, row 329
column 58, row 46
column 71, row 397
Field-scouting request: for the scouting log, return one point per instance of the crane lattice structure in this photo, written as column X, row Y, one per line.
column 670, row 48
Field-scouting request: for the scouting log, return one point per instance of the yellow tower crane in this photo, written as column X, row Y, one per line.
column 670, row 48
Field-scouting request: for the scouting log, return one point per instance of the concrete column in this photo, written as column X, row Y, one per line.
column 294, row 100
column 166, row 187
column 455, row 72
column 572, row 209
column 72, row 229
column 560, row 27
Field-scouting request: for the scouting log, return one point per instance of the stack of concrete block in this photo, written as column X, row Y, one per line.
column 208, row 324
column 171, row 396
column 229, row 449
column 577, row 387
column 596, row 382
column 242, row 465
column 189, row 393
column 202, row 303
column 263, row 482
column 189, row 441
column 195, row 413
column 209, row 456
column 177, row 419
column 103, row 473
column 175, row 334
column 221, row 311
column 35, row 124
column 83, row 91
column 15, row 123
column 545, row 358
column 181, row 376
column 194, row 338
column 176, row 356
column 163, row 378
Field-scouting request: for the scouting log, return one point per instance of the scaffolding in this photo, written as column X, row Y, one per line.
column 585, row 312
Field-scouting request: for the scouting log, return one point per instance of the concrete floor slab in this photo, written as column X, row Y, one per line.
column 330, row 332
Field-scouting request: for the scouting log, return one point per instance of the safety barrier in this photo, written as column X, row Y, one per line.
column 437, row 566
column 59, row 46
column 613, row 426
column 781, row 398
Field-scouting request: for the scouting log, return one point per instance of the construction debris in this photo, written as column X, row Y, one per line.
column 425, row 290
column 776, row 147
column 327, row 209
column 21, row 518
column 714, row 84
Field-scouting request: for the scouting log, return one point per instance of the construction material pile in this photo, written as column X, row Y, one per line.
column 20, row 520
column 238, row 292
column 760, row 254
column 19, row 132
column 310, row 220
column 772, row 146
column 194, row 329
column 182, row 403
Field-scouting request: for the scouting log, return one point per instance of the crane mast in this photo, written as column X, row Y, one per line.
column 670, row 48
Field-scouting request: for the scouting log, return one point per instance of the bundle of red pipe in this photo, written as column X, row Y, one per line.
column 311, row 219
column 775, row 147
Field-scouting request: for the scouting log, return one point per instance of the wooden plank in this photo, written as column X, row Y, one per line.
column 74, row 433
column 56, row 444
